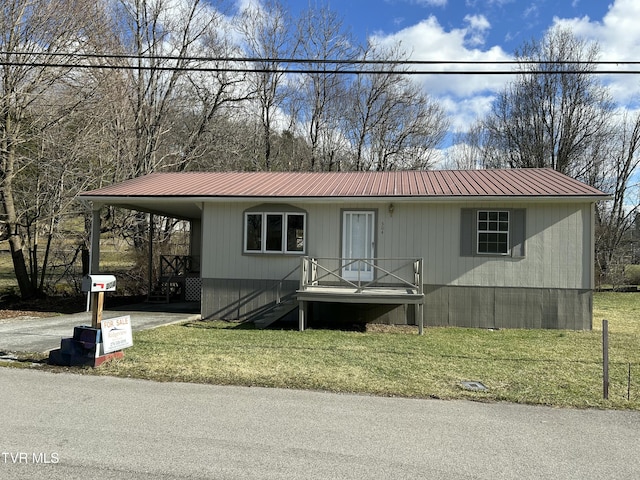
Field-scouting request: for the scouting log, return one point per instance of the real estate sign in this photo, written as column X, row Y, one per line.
column 116, row 333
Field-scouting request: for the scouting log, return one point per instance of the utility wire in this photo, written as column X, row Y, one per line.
column 271, row 65
column 316, row 71
column 318, row 61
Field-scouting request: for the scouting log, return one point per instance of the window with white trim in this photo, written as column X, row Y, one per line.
column 274, row 232
column 485, row 232
column 493, row 232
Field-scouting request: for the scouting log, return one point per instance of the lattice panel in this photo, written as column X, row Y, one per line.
column 193, row 289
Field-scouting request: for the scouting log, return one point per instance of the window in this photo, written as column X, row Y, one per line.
column 274, row 232
column 485, row 232
column 253, row 232
column 493, row 232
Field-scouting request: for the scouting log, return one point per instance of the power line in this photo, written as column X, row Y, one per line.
column 317, row 61
column 186, row 63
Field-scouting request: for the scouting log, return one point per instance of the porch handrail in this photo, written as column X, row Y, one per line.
column 278, row 284
column 311, row 265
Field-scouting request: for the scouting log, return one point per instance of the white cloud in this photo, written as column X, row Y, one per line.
column 531, row 11
column 477, row 22
column 464, row 112
column 432, row 3
column 464, row 97
column 478, row 25
column 248, row 5
column 467, row 97
column 422, row 3
column 499, row 3
column 427, row 40
column 619, row 38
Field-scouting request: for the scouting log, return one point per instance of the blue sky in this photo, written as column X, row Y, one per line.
column 504, row 23
column 491, row 30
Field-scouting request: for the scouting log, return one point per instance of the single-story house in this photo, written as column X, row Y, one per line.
column 474, row 248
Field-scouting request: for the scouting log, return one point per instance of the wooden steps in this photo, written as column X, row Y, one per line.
column 275, row 313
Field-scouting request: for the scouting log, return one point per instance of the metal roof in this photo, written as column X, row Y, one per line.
column 415, row 184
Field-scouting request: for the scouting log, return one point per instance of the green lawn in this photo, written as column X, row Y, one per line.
column 550, row 367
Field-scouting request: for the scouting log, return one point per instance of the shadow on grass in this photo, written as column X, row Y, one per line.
column 219, row 325
column 280, row 325
column 231, row 325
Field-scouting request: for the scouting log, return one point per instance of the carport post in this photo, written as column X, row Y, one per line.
column 150, row 257
column 94, row 252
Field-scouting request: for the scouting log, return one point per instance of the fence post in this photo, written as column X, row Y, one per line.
column 605, row 359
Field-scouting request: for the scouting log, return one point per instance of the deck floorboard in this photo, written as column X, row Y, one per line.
column 349, row 294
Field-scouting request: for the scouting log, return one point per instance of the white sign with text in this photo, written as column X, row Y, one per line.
column 116, row 333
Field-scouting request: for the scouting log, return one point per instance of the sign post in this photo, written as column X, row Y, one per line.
column 97, row 305
column 104, row 339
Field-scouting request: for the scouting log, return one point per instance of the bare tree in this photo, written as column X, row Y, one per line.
column 162, row 36
column 466, row 151
column 36, row 97
column 207, row 100
column 322, row 93
column 266, row 31
column 410, row 132
column 155, row 117
column 391, row 123
column 555, row 112
column 614, row 219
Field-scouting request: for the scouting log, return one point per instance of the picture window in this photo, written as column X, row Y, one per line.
column 279, row 232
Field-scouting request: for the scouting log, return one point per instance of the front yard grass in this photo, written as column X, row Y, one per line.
column 548, row 367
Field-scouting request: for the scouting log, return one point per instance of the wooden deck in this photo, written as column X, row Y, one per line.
column 349, row 294
column 400, row 284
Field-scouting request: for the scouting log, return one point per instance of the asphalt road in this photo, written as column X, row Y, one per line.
column 44, row 334
column 65, row 426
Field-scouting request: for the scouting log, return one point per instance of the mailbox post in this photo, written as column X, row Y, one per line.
column 98, row 343
column 97, row 285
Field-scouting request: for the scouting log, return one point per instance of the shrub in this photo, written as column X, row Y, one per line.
column 632, row 274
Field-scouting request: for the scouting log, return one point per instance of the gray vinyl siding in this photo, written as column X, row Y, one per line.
column 557, row 252
column 556, row 247
column 548, row 287
column 504, row 307
column 222, row 233
column 466, row 306
column 239, row 299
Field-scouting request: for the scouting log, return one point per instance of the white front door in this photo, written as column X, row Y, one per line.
column 358, row 229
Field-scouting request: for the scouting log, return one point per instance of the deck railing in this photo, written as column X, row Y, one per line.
column 174, row 270
column 172, row 266
column 368, row 273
